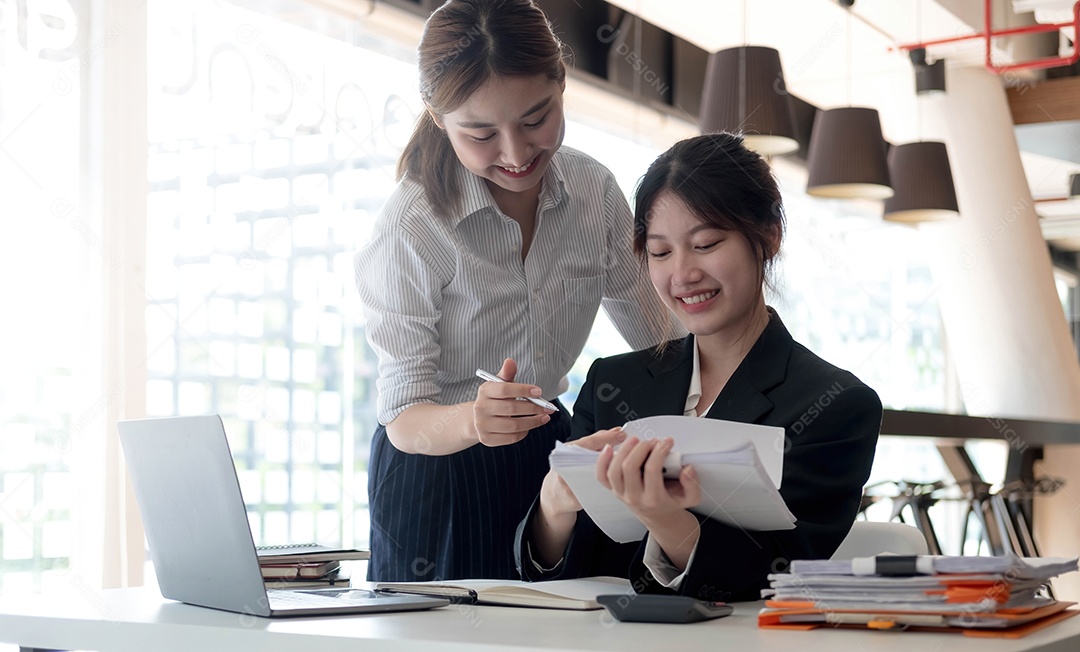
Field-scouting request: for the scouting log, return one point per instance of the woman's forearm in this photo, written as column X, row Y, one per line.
column 551, row 534
column 677, row 537
column 430, row 429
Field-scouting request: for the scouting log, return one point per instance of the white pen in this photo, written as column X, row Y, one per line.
column 490, row 377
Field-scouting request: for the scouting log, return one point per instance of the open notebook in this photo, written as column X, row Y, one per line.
column 577, row 594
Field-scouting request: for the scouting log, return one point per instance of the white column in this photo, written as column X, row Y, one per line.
column 116, row 152
column 1005, row 325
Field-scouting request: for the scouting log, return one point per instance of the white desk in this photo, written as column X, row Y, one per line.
column 137, row 620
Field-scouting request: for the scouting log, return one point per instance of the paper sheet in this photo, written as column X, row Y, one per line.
column 738, row 488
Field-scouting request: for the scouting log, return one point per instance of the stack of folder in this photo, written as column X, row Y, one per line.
column 978, row 596
column 306, row 565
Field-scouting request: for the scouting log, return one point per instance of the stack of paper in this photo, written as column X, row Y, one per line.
column 969, row 594
column 739, row 467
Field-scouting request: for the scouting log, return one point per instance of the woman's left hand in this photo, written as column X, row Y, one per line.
column 634, row 474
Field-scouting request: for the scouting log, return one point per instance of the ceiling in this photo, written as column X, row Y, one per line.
column 814, row 38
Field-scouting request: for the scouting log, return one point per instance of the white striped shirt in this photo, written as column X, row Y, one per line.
column 444, row 296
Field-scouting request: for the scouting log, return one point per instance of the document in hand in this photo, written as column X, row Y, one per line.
column 739, row 466
column 579, row 594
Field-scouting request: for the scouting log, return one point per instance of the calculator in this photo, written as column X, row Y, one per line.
column 644, row 608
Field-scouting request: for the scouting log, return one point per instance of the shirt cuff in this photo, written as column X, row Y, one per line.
column 536, row 564
column 666, row 573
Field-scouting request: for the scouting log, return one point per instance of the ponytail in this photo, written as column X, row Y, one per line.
column 429, row 158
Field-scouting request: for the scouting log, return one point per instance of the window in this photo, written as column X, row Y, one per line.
column 273, row 134
column 272, row 149
column 52, row 400
column 858, row 292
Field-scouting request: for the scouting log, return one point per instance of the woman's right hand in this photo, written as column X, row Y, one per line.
column 556, row 497
column 499, row 418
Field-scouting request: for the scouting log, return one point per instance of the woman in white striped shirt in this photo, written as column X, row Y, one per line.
column 494, row 252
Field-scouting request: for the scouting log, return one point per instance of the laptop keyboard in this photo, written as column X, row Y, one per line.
column 322, row 597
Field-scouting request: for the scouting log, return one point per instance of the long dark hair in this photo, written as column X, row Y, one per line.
column 465, row 44
column 726, row 185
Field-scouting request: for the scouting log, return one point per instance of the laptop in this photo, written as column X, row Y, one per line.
column 197, row 528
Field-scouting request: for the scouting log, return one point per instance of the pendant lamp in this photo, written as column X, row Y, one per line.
column 846, row 159
column 745, row 92
column 922, row 179
column 921, row 175
column 929, row 77
column 847, row 155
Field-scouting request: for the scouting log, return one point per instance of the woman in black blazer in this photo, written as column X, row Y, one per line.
column 708, row 224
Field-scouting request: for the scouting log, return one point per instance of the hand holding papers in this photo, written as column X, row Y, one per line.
column 739, row 467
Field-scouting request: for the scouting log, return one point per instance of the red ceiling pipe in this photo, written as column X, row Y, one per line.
column 1048, row 62
column 989, row 33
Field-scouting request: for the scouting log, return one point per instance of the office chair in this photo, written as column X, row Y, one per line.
column 868, row 538
column 913, row 498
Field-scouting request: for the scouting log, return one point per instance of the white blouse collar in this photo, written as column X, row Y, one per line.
column 694, row 395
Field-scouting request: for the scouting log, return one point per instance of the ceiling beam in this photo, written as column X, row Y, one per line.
column 1053, row 100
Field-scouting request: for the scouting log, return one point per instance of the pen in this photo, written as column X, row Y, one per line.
column 490, row 377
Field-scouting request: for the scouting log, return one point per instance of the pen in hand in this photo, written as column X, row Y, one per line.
column 490, row 377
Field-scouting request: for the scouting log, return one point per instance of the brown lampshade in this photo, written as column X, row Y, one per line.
column 929, row 77
column 745, row 92
column 922, row 179
column 847, row 155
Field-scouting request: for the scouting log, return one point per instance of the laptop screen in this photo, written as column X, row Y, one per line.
column 193, row 512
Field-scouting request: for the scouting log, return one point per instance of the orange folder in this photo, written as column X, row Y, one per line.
column 1019, row 621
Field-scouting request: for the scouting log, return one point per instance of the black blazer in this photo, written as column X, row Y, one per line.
column 831, row 422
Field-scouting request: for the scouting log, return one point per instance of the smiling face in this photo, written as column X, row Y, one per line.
column 709, row 277
column 507, row 131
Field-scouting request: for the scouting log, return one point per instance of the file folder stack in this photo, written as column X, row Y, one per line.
column 978, row 596
column 306, row 565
